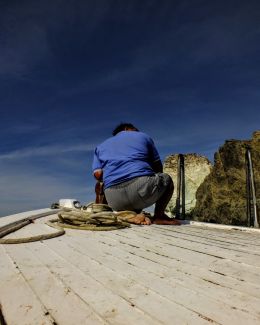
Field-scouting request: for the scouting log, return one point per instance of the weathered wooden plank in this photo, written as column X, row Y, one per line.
column 32, row 229
column 15, row 217
column 204, row 305
column 20, row 305
column 235, row 236
column 187, row 266
column 218, row 241
column 245, row 257
column 213, row 283
column 211, row 288
column 140, row 232
column 218, row 226
column 146, row 250
column 214, row 262
column 162, row 273
column 139, row 295
column 62, row 304
column 112, row 307
column 178, row 262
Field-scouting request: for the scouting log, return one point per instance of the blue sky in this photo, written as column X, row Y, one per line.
column 185, row 72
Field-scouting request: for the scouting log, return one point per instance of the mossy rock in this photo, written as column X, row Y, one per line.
column 221, row 198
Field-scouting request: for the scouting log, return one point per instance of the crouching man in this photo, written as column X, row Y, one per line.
column 131, row 170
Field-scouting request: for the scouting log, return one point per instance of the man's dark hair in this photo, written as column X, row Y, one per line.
column 124, row 127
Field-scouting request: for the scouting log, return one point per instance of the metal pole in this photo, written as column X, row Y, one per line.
column 251, row 195
column 182, row 187
column 180, row 200
column 178, row 188
column 252, row 186
column 248, row 193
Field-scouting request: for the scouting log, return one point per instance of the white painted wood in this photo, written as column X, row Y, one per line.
column 158, row 281
column 142, row 275
column 231, row 252
column 178, row 262
column 231, row 236
column 214, row 235
column 196, row 278
column 62, row 304
column 219, row 226
column 106, row 301
column 38, row 227
column 240, row 271
column 139, row 295
column 110, row 306
column 19, row 303
column 15, row 217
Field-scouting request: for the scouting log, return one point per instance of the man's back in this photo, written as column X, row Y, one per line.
column 125, row 156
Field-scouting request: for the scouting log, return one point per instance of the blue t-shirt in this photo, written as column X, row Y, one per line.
column 127, row 155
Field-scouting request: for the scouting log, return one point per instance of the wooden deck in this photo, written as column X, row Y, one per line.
column 142, row 275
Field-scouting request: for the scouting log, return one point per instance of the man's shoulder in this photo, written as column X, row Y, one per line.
column 142, row 134
column 105, row 143
column 145, row 136
column 139, row 134
column 125, row 136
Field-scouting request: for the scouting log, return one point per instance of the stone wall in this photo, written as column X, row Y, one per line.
column 196, row 169
column 221, row 198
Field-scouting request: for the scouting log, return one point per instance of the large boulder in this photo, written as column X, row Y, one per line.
column 196, row 169
column 222, row 198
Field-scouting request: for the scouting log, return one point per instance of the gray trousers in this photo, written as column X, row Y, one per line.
column 138, row 193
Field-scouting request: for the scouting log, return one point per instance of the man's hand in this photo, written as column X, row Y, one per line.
column 98, row 174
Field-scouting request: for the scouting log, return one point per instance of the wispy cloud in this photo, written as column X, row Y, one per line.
column 28, row 189
column 46, row 151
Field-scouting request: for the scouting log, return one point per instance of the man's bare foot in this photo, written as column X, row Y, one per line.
column 165, row 220
column 140, row 219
